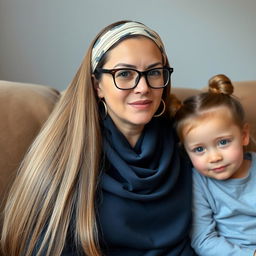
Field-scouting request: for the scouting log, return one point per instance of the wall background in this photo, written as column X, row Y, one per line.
column 44, row 41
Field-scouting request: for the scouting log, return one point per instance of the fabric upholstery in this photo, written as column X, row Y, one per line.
column 23, row 110
column 246, row 93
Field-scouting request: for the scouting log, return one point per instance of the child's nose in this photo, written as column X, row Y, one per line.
column 215, row 156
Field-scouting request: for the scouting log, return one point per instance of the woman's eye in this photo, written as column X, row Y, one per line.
column 123, row 73
column 154, row 72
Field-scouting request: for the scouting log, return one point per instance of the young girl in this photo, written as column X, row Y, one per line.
column 214, row 133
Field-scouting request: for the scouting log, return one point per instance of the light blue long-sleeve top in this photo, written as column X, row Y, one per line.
column 224, row 214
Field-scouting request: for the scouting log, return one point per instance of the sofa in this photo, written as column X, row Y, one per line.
column 25, row 107
column 23, row 110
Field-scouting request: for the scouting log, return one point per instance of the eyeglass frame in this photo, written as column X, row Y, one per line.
column 140, row 73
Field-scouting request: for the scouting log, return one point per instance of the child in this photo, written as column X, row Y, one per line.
column 212, row 128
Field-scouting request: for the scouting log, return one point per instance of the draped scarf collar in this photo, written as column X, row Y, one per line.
column 143, row 172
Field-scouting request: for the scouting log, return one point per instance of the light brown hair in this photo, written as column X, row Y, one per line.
column 220, row 89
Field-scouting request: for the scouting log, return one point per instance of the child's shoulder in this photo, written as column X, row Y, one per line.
column 198, row 177
column 251, row 156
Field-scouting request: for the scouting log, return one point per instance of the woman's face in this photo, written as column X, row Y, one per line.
column 131, row 109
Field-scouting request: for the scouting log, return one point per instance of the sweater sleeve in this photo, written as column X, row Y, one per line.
column 204, row 236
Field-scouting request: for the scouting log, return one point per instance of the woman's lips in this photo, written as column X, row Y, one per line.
column 141, row 104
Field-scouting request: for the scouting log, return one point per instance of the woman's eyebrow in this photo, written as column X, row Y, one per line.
column 154, row 65
column 133, row 66
column 124, row 65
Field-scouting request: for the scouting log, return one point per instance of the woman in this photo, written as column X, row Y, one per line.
column 104, row 177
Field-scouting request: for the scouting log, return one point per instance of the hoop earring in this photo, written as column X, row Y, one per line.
column 157, row 115
column 105, row 108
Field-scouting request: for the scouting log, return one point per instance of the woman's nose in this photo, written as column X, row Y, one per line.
column 142, row 85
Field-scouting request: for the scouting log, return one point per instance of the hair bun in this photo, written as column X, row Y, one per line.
column 220, row 84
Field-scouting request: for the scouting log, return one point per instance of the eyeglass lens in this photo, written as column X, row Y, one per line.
column 128, row 78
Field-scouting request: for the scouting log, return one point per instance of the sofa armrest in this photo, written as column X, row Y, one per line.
column 23, row 110
column 245, row 91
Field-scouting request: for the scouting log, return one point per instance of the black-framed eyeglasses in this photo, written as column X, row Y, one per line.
column 128, row 78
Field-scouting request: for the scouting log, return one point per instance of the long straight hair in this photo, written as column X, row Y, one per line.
column 57, row 180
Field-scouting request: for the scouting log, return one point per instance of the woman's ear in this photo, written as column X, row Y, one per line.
column 96, row 85
column 246, row 134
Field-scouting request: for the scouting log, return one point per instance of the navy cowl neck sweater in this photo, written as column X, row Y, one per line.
column 144, row 206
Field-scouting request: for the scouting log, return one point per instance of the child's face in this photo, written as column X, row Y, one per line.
column 215, row 143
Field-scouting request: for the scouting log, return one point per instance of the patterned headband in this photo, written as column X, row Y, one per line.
column 118, row 32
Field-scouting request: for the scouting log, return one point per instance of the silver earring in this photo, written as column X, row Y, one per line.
column 105, row 107
column 157, row 115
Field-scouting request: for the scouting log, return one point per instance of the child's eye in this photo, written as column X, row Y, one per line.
column 198, row 149
column 224, row 142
